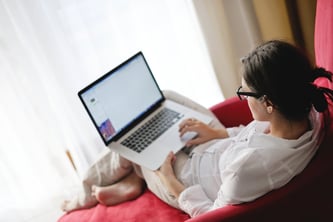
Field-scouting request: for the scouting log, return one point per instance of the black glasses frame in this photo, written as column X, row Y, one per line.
column 246, row 94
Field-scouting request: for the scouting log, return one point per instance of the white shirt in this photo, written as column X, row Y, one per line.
column 244, row 166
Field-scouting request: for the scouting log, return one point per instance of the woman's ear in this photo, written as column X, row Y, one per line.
column 269, row 105
column 269, row 109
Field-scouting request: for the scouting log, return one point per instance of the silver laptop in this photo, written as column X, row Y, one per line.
column 132, row 116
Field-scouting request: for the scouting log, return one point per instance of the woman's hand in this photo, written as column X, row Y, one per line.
column 204, row 131
column 168, row 177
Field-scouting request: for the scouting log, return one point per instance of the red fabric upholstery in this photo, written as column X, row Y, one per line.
column 232, row 112
column 308, row 197
column 145, row 208
column 324, row 37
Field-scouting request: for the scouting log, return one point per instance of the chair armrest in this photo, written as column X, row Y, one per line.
column 232, row 112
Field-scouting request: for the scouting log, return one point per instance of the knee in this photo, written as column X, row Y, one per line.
column 124, row 163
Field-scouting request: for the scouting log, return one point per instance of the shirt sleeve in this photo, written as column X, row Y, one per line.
column 244, row 180
column 257, row 173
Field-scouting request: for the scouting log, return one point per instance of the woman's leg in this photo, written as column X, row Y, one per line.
column 156, row 186
column 152, row 180
column 126, row 189
column 107, row 170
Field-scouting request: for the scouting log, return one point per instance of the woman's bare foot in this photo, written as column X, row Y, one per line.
column 126, row 189
column 64, row 206
column 78, row 203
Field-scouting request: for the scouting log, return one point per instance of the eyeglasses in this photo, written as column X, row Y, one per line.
column 243, row 95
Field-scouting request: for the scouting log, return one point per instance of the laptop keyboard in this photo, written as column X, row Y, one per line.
column 151, row 130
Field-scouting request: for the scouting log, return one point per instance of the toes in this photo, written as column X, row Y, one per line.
column 93, row 190
column 64, row 205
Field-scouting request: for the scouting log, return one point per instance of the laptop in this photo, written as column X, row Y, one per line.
column 125, row 103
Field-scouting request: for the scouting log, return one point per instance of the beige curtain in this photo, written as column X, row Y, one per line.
column 290, row 20
column 231, row 28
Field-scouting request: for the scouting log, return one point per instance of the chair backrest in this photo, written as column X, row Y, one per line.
column 323, row 38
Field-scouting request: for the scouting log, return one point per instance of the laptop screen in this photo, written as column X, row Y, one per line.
column 121, row 98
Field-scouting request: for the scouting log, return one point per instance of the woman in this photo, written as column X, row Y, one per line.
column 236, row 165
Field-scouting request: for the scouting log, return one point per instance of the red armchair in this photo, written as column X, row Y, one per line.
column 308, row 197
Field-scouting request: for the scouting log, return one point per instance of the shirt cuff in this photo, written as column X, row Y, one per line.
column 233, row 131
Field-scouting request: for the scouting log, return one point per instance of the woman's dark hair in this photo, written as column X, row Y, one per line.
column 285, row 75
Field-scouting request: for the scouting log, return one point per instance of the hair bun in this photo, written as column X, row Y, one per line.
column 318, row 97
column 320, row 72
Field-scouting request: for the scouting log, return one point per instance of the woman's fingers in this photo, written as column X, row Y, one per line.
column 187, row 122
column 188, row 125
column 166, row 168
